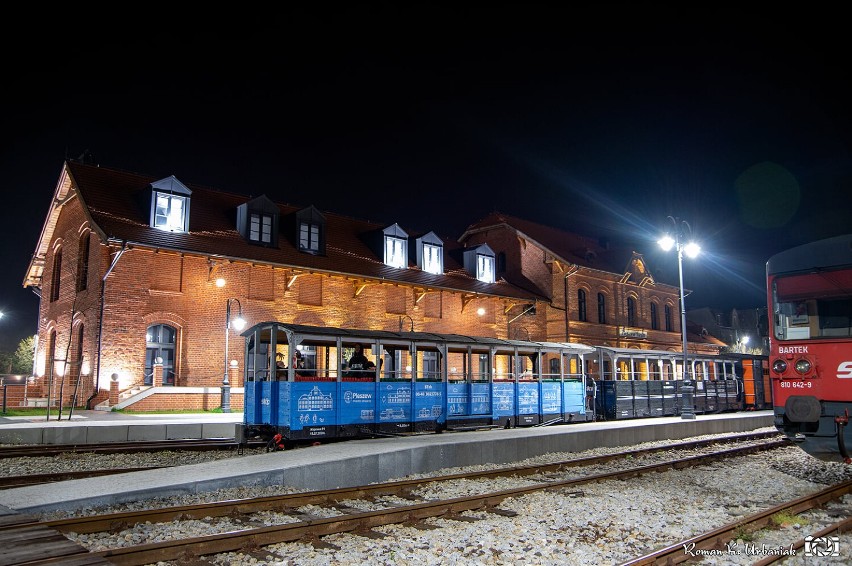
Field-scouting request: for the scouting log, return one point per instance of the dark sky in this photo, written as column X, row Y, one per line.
column 433, row 115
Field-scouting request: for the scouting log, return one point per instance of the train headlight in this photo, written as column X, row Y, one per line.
column 803, row 366
column 779, row 366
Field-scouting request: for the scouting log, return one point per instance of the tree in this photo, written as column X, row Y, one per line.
column 22, row 359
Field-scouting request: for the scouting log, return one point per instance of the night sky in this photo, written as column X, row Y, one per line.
column 433, row 115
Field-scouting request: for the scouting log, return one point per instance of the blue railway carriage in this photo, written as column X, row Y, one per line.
column 299, row 382
column 633, row 383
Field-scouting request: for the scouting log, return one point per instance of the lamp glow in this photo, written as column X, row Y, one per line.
column 681, row 231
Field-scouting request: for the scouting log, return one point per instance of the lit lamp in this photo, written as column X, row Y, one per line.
column 680, row 236
column 239, row 323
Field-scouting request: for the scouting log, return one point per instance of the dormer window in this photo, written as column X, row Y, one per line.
column 310, row 231
column 170, row 205
column 260, row 227
column 396, row 247
column 433, row 259
column 430, row 253
column 480, row 263
column 257, row 221
column 395, row 251
column 485, row 268
column 309, row 237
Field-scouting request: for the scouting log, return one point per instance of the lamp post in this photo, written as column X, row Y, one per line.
column 680, row 236
column 411, row 328
column 239, row 323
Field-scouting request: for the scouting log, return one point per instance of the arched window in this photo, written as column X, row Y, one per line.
column 51, row 355
column 655, row 324
column 668, row 316
column 56, row 276
column 83, row 262
column 78, row 354
column 581, row 305
column 631, row 311
column 160, row 343
column 601, row 308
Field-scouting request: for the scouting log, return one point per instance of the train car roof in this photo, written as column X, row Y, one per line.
column 655, row 354
column 821, row 254
column 387, row 335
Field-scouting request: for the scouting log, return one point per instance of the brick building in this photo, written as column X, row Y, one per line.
column 136, row 275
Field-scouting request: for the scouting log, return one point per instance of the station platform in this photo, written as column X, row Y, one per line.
column 99, row 427
column 358, row 462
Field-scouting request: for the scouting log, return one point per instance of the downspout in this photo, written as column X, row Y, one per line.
column 101, row 323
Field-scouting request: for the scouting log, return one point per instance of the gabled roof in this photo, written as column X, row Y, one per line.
column 115, row 202
column 570, row 248
column 565, row 246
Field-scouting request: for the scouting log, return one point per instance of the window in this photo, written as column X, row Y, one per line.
column 433, row 259
column 601, row 308
column 655, row 324
column 668, row 317
column 396, row 251
column 260, row 228
column 310, row 231
column 309, row 237
column 581, row 305
column 485, row 268
column 479, row 263
column 56, row 276
column 170, row 205
column 429, row 252
column 170, row 212
column 631, row 311
column 258, row 221
column 160, row 343
column 76, row 367
column 83, row 262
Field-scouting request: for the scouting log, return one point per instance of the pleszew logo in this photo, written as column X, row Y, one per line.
column 844, row 370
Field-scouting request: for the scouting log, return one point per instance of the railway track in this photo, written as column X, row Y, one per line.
column 723, row 542
column 398, row 502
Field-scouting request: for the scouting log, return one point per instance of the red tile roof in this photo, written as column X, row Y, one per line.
column 116, row 202
column 569, row 247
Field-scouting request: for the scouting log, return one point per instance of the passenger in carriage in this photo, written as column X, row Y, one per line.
column 280, row 367
column 299, row 365
column 358, row 363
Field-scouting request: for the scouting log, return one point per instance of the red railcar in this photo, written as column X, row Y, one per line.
column 809, row 291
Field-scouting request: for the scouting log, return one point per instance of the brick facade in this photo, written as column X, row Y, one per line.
column 131, row 288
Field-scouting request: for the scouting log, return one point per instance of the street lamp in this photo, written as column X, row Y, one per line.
column 239, row 323
column 680, row 235
column 411, row 328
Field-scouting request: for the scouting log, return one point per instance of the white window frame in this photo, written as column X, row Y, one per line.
column 309, row 236
column 260, row 227
column 485, row 268
column 396, row 252
column 174, row 217
column 433, row 258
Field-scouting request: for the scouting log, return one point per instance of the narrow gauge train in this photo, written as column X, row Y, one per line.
column 809, row 293
column 409, row 382
column 635, row 383
column 425, row 382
